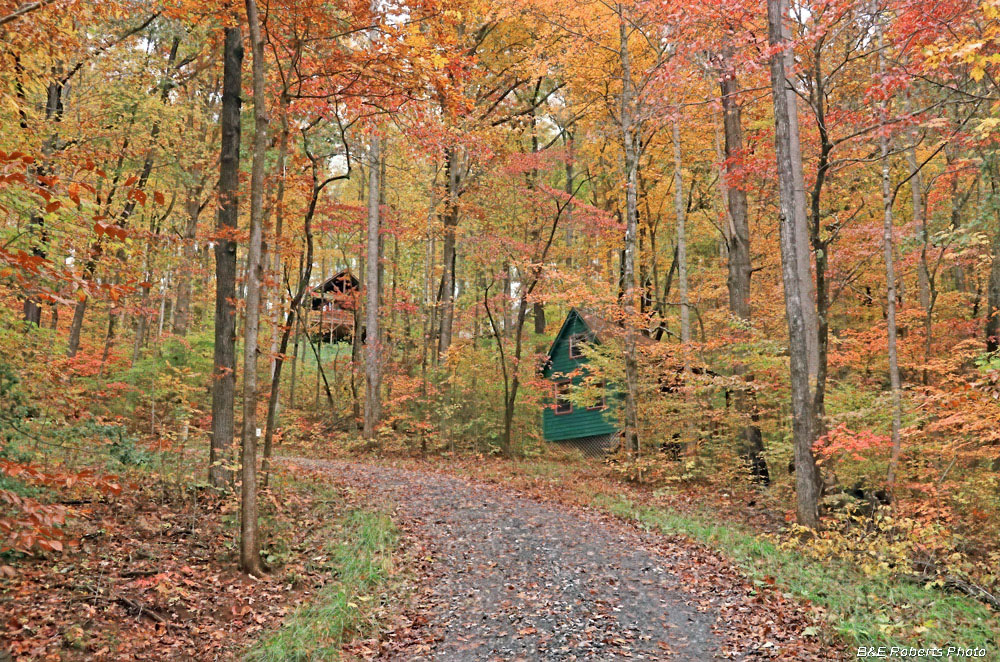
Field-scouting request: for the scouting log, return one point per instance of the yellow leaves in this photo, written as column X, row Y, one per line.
column 987, row 126
column 416, row 39
column 977, row 73
column 438, row 60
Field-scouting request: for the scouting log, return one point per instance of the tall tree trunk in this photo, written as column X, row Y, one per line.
column 429, row 257
column 53, row 114
column 920, row 223
column 628, row 134
column 293, row 323
column 295, row 360
column 76, row 326
column 993, row 299
column 250, row 560
column 890, row 270
column 681, row 213
column 373, row 260
column 925, row 286
column 446, row 297
column 569, row 189
column 738, row 248
column 792, row 224
column 182, row 308
column 278, row 295
column 738, row 258
column 723, row 185
column 165, row 309
column 224, row 370
column 109, row 339
column 142, row 321
column 810, row 316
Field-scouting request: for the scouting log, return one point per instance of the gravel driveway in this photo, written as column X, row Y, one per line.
column 517, row 579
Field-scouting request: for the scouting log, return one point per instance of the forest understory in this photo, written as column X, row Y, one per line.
column 327, row 325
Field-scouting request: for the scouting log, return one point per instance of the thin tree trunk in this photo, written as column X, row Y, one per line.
column 569, row 190
column 278, row 295
column 890, row 272
column 723, row 185
column 76, row 326
column 224, row 371
column 182, row 307
column 920, row 221
column 446, row 296
column 429, row 255
column 141, row 323
column 628, row 132
column 295, row 362
column 374, row 259
column 319, row 325
column 792, row 224
column 993, row 299
column 293, row 320
column 250, row 560
column 164, row 288
column 681, row 213
column 109, row 339
column 925, row 287
column 356, row 343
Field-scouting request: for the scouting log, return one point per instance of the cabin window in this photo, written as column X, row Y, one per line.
column 576, row 342
column 602, row 401
column 563, row 405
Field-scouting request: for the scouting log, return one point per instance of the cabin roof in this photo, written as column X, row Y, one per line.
column 340, row 282
column 597, row 325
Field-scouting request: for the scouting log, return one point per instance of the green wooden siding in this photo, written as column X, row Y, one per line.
column 581, row 422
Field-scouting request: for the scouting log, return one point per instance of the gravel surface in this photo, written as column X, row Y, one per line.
column 516, row 579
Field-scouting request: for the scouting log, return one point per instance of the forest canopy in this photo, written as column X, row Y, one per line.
column 226, row 228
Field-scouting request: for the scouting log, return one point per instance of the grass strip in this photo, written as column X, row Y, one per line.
column 865, row 611
column 362, row 564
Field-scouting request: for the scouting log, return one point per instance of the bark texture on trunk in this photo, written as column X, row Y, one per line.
column 250, row 560
column 993, row 299
column 628, row 136
column 372, row 337
column 890, row 274
column 738, row 237
column 681, row 212
column 740, row 268
column 76, row 326
column 224, row 372
column 446, row 296
column 797, row 303
column 182, row 309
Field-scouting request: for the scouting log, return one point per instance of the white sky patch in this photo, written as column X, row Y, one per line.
column 338, row 164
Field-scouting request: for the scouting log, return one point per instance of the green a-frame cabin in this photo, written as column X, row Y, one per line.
column 594, row 428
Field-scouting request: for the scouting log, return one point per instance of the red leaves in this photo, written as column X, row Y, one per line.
column 34, row 525
column 111, row 229
column 152, row 580
column 137, row 195
column 841, row 440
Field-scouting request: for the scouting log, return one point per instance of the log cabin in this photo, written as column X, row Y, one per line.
column 334, row 303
